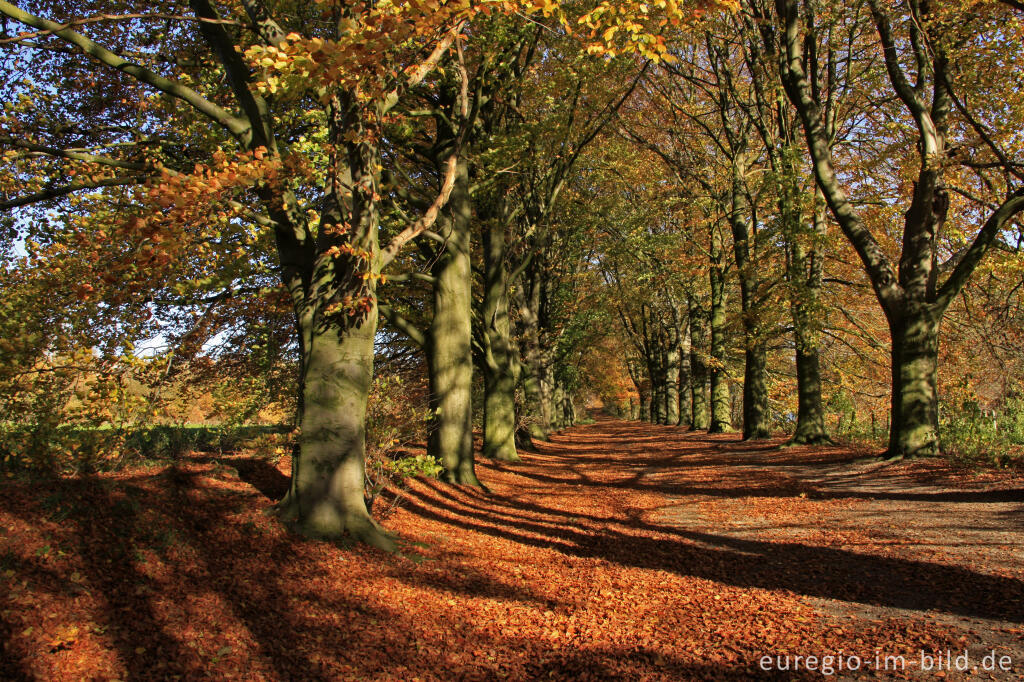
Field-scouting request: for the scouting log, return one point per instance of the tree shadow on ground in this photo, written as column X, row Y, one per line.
column 633, row 540
column 171, row 565
column 808, row 570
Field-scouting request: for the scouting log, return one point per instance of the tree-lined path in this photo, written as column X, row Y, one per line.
column 619, row 549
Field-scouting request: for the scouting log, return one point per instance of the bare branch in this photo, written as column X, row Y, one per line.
column 428, row 218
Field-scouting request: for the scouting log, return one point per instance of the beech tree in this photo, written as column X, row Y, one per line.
column 273, row 117
column 324, row 218
column 924, row 51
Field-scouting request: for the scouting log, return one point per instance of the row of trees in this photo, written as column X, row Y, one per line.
column 514, row 189
column 783, row 119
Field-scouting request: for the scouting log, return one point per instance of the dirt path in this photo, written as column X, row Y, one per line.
column 619, row 550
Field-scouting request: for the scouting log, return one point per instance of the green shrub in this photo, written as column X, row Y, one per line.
column 393, row 423
column 970, row 434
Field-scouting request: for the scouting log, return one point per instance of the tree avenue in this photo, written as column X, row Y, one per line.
column 748, row 215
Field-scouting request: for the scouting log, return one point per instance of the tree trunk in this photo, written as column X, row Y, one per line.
column 569, row 408
column 685, row 378
column 914, row 429
column 810, row 420
column 335, row 303
column 328, row 476
column 755, row 393
column 721, row 410
column 532, row 370
column 755, row 389
column 657, row 415
column 449, row 350
column 700, row 414
column 499, row 361
column 558, row 402
column 672, row 362
column 805, row 273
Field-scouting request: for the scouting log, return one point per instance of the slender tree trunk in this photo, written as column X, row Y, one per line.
column 547, row 395
column 449, row 350
column 805, row 272
column 914, row 429
column 536, row 386
column 672, row 362
column 657, row 386
column 685, row 417
column 699, row 346
column 635, row 375
column 755, row 388
column 721, row 408
column 558, row 402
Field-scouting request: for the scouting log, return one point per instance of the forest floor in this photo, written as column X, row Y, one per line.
column 618, row 550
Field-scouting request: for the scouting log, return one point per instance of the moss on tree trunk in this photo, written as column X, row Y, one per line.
column 449, row 350
column 326, row 498
column 914, row 430
column 498, row 366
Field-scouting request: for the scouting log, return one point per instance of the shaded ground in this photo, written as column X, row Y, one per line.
column 620, row 550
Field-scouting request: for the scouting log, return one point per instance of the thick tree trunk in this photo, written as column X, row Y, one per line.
column 499, row 367
column 328, row 475
column 335, row 302
column 914, row 429
column 810, row 420
column 569, row 410
column 564, row 410
column 449, row 351
column 755, row 393
column 533, row 372
column 805, row 284
column 500, row 415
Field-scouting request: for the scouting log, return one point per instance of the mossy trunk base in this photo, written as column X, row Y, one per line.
column 914, row 430
column 326, row 500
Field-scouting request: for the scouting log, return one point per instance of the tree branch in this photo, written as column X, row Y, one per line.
column 64, row 190
column 427, row 219
column 403, row 325
column 236, row 126
column 1013, row 205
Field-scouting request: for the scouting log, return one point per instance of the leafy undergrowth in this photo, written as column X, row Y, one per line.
column 620, row 550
